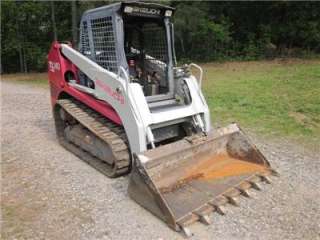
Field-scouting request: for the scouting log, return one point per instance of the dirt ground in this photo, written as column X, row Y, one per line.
column 48, row 193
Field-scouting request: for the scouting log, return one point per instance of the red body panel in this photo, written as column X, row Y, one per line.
column 58, row 66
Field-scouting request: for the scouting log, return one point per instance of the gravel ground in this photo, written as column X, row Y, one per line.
column 48, row 193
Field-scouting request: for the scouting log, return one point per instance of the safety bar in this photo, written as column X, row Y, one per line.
column 201, row 72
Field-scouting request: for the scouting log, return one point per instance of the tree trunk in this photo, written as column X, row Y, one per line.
column 24, row 60
column 74, row 22
column 182, row 45
column 19, row 47
column 20, row 58
column 53, row 20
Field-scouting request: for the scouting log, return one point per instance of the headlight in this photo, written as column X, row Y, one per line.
column 168, row 13
column 128, row 9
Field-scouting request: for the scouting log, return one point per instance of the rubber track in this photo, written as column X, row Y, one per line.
column 111, row 133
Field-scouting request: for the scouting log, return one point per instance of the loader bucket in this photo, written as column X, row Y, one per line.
column 184, row 181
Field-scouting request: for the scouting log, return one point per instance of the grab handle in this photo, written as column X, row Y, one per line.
column 122, row 70
column 201, row 73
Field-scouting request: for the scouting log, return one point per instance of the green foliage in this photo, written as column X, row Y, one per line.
column 204, row 31
column 25, row 29
column 198, row 37
column 246, row 30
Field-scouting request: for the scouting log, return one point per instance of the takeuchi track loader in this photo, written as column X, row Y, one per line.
column 121, row 103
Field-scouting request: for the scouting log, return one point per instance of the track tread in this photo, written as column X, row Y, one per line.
column 114, row 135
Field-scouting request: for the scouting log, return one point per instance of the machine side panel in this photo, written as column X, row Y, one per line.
column 57, row 67
column 115, row 91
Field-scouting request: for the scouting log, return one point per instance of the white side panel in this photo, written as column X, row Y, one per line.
column 112, row 89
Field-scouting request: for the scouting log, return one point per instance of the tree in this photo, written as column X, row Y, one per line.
column 205, row 31
column 53, row 19
column 74, row 22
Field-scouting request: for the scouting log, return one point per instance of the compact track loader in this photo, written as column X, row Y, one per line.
column 122, row 104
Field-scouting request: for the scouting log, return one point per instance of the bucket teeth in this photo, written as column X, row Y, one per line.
column 186, row 231
column 275, row 173
column 205, row 219
column 233, row 201
column 185, row 222
column 265, row 178
column 218, row 203
column 232, row 196
column 255, row 185
column 203, row 213
column 245, row 192
column 220, row 209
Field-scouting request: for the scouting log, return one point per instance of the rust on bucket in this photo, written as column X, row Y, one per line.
column 182, row 181
column 213, row 168
column 223, row 165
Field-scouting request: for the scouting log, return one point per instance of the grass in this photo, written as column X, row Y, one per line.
column 279, row 98
column 37, row 79
column 273, row 98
